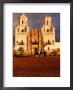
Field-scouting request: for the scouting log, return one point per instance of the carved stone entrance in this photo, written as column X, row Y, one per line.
column 35, row 51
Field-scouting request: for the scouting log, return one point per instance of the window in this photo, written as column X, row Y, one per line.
column 22, row 30
column 47, row 22
column 49, row 42
column 22, row 21
column 17, row 41
column 48, row 48
column 21, row 43
column 47, row 30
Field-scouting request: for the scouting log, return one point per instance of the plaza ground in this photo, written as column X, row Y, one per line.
column 48, row 66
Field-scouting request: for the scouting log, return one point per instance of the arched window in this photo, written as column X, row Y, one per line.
column 22, row 21
column 49, row 42
column 22, row 30
column 48, row 48
column 47, row 30
column 47, row 22
column 21, row 41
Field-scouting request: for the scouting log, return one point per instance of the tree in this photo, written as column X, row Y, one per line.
column 21, row 50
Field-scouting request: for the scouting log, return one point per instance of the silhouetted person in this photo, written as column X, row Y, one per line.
column 44, row 53
column 40, row 52
column 36, row 51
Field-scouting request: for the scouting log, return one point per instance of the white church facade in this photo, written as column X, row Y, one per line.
column 31, row 39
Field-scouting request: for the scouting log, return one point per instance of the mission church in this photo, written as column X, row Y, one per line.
column 33, row 39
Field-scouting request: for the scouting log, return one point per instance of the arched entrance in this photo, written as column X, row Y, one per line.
column 35, row 51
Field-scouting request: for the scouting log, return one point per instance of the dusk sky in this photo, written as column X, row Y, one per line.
column 35, row 20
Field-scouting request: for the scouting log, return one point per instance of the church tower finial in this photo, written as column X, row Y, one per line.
column 23, row 20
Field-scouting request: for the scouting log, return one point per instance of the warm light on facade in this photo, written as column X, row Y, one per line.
column 34, row 39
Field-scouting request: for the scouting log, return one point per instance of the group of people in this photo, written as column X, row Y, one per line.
column 41, row 53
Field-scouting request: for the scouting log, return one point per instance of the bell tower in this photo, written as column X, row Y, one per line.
column 47, row 21
column 21, row 32
column 48, row 30
column 23, row 20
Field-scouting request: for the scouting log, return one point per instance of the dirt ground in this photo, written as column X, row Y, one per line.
column 36, row 66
